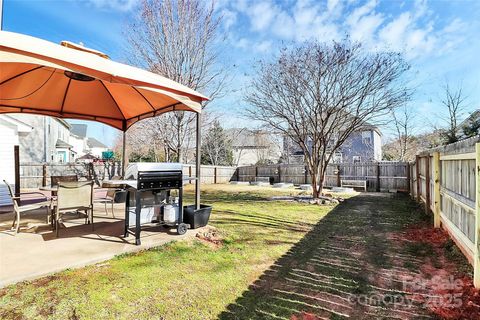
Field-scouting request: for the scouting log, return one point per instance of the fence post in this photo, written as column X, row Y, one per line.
column 417, row 176
column 476, row 253
column 190, row 174
column 279, row 174
column 378, row 177
column 427, row 184
column 436, row 189
column 44, row 175
column 409, row 189
column 215, row 175
column 339, row 184
column 256, row 173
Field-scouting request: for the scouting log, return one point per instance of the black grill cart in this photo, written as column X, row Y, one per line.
column 148, row 188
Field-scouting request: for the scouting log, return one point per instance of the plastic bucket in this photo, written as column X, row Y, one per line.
column 196, row 218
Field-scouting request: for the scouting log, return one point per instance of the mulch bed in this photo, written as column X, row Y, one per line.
column 445, row 291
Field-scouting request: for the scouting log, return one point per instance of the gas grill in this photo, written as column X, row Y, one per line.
column 148, row 192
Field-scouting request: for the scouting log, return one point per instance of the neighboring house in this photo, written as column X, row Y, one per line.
column 96, row 148
column 78, row 138
column 84, row 145
column 362, row 146
column 254, row 146
column 10, row 131
column 40, row 139
column 48, row 140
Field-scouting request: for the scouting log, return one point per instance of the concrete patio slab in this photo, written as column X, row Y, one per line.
column 35, row 251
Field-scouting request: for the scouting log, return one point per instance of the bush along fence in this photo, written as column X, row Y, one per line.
column 34, row 175
column 447, row 181
column 379, row 176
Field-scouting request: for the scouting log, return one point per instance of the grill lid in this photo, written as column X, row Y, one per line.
column 131, row 173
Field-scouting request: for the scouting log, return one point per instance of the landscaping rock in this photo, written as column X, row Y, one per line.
column 306, row 187
column 260, row 184
column 282, row 185
column 246, row 183
column 281, row 198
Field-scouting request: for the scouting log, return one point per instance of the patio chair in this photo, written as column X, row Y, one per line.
column 113, row 196
column 19, row 208
column 54, row 180
column 74, row 196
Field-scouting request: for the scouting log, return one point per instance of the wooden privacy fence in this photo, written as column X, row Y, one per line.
column 380, row 176
column 34, row 175
column 210, row 174
column 446, row 181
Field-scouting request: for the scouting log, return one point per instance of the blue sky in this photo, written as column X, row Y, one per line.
column 439, row 38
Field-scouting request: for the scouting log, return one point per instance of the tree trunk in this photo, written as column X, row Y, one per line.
column 321, row 183
column 179, row 154
column 322, row 171
column 313, row 176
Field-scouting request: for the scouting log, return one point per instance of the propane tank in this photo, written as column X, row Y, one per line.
column 169, row 214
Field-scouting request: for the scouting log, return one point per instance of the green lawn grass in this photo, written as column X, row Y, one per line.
column 182, row 280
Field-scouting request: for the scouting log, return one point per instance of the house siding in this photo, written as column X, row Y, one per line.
column 9, row 139
column 366, row 145
column 39, row 145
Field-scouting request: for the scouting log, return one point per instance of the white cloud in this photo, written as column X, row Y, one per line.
column 363, row 23
column 242, row 43
column 120, row 5
column 332, row 4
column 229, row 18
column 263, row 46
column 261, row 15
column 394, row 33
column 414, row 30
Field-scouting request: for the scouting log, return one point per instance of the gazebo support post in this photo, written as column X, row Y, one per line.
column 197, row 160
column 124, row 143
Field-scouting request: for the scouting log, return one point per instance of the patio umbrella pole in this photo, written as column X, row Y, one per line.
column 123, row 153
column 197, row 161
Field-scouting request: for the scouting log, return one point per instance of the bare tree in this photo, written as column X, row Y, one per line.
column 175, row 38
column 317, row 94
column 267, row 147
column 217, row 146
column 453, row 101
column 403, row 125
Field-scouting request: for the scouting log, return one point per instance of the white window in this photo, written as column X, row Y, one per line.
column 366, row 137
column 356, row 159
column 337, row 157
